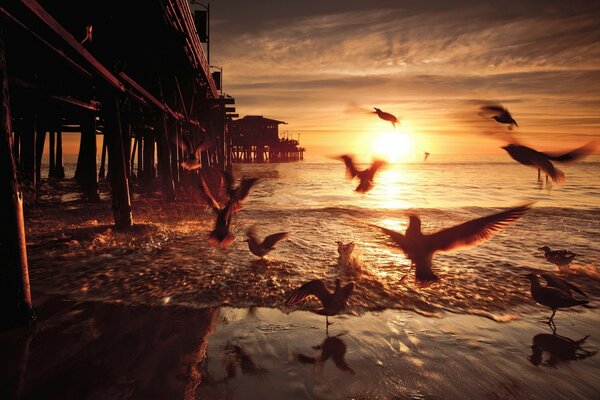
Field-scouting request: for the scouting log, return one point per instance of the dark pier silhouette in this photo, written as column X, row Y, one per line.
column 135, row 73
column 256, row 139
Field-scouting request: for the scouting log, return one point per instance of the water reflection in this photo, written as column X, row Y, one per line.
column 560, row 349
column 332, row 347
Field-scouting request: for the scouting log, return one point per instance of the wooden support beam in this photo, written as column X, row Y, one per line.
column 164, row 160
column 40, row 140
column 87, row 177
column 102, row 170
column 60, row 169
column 51, row 154
column 121, row 200
column 15, row 293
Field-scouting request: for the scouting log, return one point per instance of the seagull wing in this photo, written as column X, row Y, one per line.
column 573, row 155
column 475, row 231
column 210, row 199
column 272, row 240
column 397, row 237
column 494, row 109
column 244, row 189
column 208, row 143
column 315, row 288
column 376, row 166
column 541, row 161
column 350, row 168
column 558, row 283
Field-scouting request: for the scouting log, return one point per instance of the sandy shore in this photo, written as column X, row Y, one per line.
column 116, row 351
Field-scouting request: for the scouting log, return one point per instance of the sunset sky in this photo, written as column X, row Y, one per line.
column 322, row 65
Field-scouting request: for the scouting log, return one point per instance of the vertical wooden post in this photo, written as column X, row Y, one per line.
column 87, row 177
column 148, row 157
column 140, row 161
column 164, row 160
column 40, row 140
column 52, row 155
column 102, row 171
column 28, row 151
column 132, row 158
column 117, row 172
column 60, row 169
column 175, row 154
column 15, row 293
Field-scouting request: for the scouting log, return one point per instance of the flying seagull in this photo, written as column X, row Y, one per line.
column 261, row 249
column 420, row 248
column 562, row 258
column 332, row 303
column 366, row 176
column 426, row 156
column 553, row 297
column 194, row 163
column 386, row 116
column 501, row 115
column 528, row 156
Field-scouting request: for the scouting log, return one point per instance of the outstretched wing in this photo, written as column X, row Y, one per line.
column 493, row 109
column 558, row 283
column 541, row 161
column 244, row 189
column 376, row 166
column 210, row 198
column 350, row 168
column 475, row 231
column 397, row 237
column 573, row 155
column 272, row 240
column 313, row 288
column 206, row 144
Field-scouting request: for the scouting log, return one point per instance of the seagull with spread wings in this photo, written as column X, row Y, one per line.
column 194, row 163
column 333, row 302
column 365, row 176
column 543, row 161
column 262, row 248
column 501, row 114
column 420, row 247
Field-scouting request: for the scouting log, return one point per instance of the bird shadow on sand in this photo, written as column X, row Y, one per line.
column 334, row 348
column 558, row 349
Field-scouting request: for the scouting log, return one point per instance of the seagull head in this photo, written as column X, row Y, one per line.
column 545, row 248
column 531, row 276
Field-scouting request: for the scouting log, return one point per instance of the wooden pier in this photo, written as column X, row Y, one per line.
column 256, row 139
column 134, row 72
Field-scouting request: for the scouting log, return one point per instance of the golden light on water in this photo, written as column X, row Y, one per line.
column 393, row 145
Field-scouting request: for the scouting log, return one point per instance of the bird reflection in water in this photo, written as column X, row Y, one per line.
column 236, row 357
column 332, row 347
column 560, row 349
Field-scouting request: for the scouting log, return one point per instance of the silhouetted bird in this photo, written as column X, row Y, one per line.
column 332, row 347
column 420, row 248
column 192, row 164
column 554, row 281
column 562, row 258
column 559, row 348
column 501, row 114
column 552, row 297
column 225, row 212
column 366, row 176
column 528, row 156
column 386, row 116
column 426, row 156
column 261, row 249
column 332, row 303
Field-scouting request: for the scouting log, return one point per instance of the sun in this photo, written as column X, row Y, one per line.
column 393, row 146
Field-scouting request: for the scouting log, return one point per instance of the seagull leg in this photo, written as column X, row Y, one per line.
column 539, row 175
column 551, row 321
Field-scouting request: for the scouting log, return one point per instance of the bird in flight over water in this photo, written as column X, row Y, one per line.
column 420, row 247
column 426, row 156
column 528, row 156
column 501, row 115
column 194, row 163
column 366, row 176
column 262, row 248
column 386, row 116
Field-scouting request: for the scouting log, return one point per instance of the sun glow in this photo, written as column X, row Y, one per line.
column 393, row 145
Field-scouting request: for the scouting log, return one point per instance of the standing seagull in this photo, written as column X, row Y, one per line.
column 562, row 258
column 386, row 116
column 552, row 297
column 420, row 248
column 366, row 176
column 426, row 156
column 501, row 115
column 556, row 282
column 332, row 303
column 261, row 249
column 528, row 156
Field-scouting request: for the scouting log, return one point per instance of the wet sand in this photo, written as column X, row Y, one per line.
column 96, row 350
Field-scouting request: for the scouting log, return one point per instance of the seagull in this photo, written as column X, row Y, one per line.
column 386, row 116
column 420, row 248
column 562, row 258
column 528, row 156
column 556, row 282
column 426, row 156
column 332, row 303
column 261, row 249
column 332, row 347
column 225, row 212
column 193, row 164
column 553, row 297
column 559, row 348
column 502, row 115
column 366, row 176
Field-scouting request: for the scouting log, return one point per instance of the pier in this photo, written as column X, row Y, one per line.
column 134, row 74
